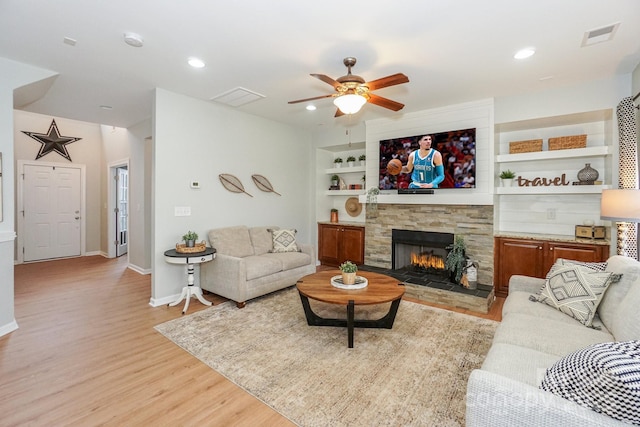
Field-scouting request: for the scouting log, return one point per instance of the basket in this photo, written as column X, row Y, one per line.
column 527, row 146
column 182, row 248
column 567, row 142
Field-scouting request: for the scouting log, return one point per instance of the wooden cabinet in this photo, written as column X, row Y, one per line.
column 338, row 243
column 532, row 257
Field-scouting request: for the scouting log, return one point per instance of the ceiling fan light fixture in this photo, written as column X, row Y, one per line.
column 350, row 103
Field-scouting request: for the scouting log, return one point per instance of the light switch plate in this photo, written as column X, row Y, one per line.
column 182, row 210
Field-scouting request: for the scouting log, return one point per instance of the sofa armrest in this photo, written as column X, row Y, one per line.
column 518, row 283
column 494, row 400
column 225, row 276
column 308, row 249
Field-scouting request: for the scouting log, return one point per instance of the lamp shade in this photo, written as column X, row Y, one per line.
column 620, row 205
column 349, row 103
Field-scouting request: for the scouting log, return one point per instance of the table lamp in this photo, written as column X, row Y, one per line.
column 623, row 207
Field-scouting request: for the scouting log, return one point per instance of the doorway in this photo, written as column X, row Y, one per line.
column 118, row 208
column 51, row 207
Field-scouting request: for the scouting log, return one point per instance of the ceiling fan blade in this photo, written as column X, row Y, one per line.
column 338, row 113
column 384, row 102
column 311, row 99
column 327, row 79
column 392, row 80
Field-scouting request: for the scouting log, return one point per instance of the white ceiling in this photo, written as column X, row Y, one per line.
column 452, row 51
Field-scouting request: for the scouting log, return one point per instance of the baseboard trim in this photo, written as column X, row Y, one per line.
column 163, row 301
column 139, row 270
column 8, row 328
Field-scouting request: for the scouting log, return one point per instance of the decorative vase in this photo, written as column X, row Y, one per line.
column 191, row 243
column 587, row 175
column 334, row 217
column 349, row 278
column 351, row 164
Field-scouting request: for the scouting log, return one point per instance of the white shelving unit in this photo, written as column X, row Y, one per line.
column 553, row 209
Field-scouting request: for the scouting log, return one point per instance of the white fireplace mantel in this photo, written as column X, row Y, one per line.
column 456, row 197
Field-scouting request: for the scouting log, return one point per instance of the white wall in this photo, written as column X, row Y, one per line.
column 14, row 75
column 196, row 140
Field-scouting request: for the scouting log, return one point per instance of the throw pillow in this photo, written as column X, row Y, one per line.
column 603, row 377
column 598, row 266
column 284, row 240
column 574, row 290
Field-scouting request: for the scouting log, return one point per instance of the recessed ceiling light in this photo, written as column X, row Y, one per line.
column 524, row 53
column 69, row 41
column 196, row 62
column 311, row 107
column 106, row 107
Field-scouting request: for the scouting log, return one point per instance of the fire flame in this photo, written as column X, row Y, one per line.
column 427, row 260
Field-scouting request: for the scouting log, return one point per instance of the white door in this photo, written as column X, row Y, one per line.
column 122, row 210
column 51, row 212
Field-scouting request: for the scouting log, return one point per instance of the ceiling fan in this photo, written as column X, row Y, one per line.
column 352, row 92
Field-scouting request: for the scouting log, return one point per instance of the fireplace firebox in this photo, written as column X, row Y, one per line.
column 426, row 250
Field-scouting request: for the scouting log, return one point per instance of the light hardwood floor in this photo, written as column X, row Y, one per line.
column 86, row 354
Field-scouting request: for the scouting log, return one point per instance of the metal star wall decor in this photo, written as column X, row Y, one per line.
column 52, row 141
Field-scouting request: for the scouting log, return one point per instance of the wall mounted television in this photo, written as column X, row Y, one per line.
column 458, row 149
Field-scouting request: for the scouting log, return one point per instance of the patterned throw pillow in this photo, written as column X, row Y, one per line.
column 604, row 377
column 598, row 266
column 284, row 240
column 575, row 290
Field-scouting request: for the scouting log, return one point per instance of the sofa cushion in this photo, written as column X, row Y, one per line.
column 603, row 377
column 261, row 266
column 261, row 239
column 232, row 241
column 575, row 290
column 609, row 308
column 519, row 302
column 521, row 364
column 284, row 240
column 290, row 260
column 552, row 336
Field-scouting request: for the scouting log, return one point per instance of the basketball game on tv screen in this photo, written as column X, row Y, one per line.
column 457, row 154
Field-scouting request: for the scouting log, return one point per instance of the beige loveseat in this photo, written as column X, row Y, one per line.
column 245, row 266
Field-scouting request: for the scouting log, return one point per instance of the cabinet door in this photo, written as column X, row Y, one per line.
column 575, row 251
column 514, row 256
column 329, row 244
column 352, row 245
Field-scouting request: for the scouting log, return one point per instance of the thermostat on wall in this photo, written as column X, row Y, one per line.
column 194, row 184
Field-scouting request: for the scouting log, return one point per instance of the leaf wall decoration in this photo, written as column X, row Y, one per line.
column 263, row 184
column 232, row 183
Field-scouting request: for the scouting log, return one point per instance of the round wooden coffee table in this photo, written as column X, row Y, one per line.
column 381, row 289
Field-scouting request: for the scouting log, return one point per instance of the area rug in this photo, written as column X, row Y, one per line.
column 412, row 375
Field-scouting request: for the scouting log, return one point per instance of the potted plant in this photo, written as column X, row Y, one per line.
column 456, row 261
column 507, row 177
column 335, row 180
column 337, row 162
column 351, row 161
column 349, row 271
column 190, row 238
column 334, row 215
column 362, row 159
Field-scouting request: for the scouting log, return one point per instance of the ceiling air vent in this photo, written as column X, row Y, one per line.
column 237, row 97
column 598, row 35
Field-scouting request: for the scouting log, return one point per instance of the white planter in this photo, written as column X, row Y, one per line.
column 337, row 165
column 507, row 182
column 363, row 162
column 351, row 164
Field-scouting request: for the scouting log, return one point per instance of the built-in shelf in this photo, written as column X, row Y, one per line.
column 343, row 192
column 345, row 169
column 555, row 154
column 567, row 189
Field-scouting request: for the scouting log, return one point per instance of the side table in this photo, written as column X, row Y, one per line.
column 174, row 257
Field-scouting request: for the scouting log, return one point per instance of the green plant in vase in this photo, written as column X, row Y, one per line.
column 190, row 238
column 507, row 177
column 337, row 162
column 456, row 261
column 349, row 271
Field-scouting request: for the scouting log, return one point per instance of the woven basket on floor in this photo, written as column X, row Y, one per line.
column 527, row 146
column 567, row 142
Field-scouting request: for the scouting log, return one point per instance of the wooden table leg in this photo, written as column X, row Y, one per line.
column 350, row 322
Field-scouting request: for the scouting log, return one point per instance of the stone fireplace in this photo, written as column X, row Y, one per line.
column 397, row 231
